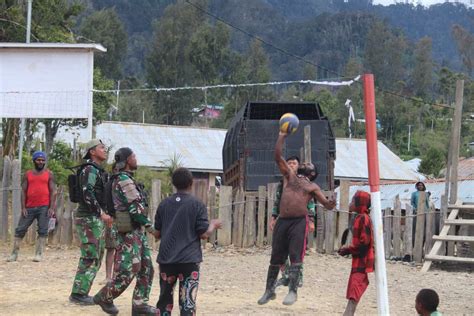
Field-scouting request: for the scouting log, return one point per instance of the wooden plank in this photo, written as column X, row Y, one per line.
column 16, row 196
column 420, row 228
column 261, row 215
column 430, row 222
column 387, row 232
column 449, row 258
column 238, row 218
column 343, row 220
column 443, row 211
column 408, row 233
column 396, row 228
column 67, row 225
column 455, row 142
column 437, row 245
column 330, row 231
column 463, row 208
column 271, row 193
column 224, row 235
column 249, row 229
column 155, row 200
column 56, row 238
column 307, row 144
column 212, row 211
column 320, row 228
column 454, row 238
column 467, row 222
column 5, row 188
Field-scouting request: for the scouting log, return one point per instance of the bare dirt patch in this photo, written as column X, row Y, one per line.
column 231, row 283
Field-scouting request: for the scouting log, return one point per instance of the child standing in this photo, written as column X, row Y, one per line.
column 361, row 249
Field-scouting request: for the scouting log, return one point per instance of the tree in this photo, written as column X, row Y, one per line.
column 432, row 162
column 106, row 28
column 465, row 44
column 423, row 70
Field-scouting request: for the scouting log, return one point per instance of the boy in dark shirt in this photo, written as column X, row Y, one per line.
column 181, row 221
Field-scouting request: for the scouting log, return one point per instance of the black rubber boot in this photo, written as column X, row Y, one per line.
column 143, row 309
column 271, row 283
column 81, row 299
column 108, row 308
column 293, row 275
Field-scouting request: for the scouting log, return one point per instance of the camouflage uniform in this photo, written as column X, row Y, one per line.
column 275, row 213
column 133, row 256
column 89, row 227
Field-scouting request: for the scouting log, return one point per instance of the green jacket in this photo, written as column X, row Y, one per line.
column 276, row 204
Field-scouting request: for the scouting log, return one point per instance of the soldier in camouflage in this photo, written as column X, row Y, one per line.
column 89, row 219
column 293, row 162
column 133, row 256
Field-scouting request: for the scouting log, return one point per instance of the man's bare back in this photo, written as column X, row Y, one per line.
column 298, row 190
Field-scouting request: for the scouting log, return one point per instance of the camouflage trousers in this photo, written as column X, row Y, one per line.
column 90, row 231
column 132, row 259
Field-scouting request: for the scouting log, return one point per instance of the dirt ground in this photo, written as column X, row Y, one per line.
column 231, row 283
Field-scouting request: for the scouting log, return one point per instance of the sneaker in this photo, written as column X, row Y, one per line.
column 81, row 299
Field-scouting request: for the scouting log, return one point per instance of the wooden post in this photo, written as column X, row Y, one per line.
column 307, row 158
column 408, row 233
column 67, row 224
column 238, row 218
column 56, row 238
column 155, row 200
column 249, row 231
column 387, row 231
column 271, row 193
column 320, row 228
column 224, row 235
column 343, row 221
column 330, row 231
column 16, row 196
column 397, row 213
column 212, row 211
column 430, row 223
column 420, row 227
column 5, row 188
column 261, row 214
column 455, row 140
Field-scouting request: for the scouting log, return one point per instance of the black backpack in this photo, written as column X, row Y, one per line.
column 109, row 202
column 73, row 182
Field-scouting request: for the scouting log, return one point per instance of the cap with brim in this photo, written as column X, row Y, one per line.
column 91, row 145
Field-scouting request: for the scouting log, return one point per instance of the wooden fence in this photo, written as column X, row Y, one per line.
column 246, row 218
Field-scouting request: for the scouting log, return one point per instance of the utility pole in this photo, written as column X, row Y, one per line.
column 455, row 141
column 409, row 136
column 22, row 120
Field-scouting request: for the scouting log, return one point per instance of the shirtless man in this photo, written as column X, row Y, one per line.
column 289, row 234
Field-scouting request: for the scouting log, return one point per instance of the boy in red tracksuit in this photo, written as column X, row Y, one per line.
column 361, row 249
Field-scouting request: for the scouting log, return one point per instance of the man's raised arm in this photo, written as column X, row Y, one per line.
column 282, row 165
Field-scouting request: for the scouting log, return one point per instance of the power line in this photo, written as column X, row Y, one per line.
column 305, row 60
column 281, row 50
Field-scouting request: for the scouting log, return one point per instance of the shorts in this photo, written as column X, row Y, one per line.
column 111, row 237
column 289, row 239
column 358, row 282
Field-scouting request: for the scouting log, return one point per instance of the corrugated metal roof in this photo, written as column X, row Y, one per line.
column 351, row 162
column 201, row 149
column 388, row 192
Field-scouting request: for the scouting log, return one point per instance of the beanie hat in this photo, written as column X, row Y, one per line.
column 39, row 154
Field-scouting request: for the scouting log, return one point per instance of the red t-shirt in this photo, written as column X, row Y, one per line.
column 37, row 193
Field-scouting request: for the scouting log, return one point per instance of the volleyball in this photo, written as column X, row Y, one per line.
column 289, row 123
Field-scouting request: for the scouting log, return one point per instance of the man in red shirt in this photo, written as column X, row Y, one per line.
column 361, row 249
column 37, row 202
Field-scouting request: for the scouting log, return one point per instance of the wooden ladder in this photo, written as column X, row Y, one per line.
column 443, row 237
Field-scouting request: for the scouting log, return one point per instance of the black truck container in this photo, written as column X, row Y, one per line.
column 248, row 152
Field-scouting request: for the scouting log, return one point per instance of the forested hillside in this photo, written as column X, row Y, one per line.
column 415, row 53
